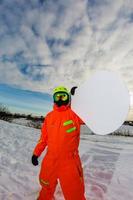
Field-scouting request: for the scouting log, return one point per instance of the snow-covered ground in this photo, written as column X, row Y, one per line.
column 21, row 121
column 107, row 163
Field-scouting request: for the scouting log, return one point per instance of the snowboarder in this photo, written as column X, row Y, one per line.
column 61, row 134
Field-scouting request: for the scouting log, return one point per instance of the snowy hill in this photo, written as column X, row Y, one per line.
column 21, row 121
column 107, row 163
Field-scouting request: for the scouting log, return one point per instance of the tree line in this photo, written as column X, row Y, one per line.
column 6, row 115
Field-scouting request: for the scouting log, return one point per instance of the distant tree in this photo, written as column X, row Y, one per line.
column 29, row 117
column 3, row 108
column 42, row 118
column 5, row 113
column 33, row 121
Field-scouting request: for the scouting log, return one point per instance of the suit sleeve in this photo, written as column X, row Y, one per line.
column 80, row 121
column 42, row 142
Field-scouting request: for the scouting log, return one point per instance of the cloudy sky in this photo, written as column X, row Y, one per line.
column 46, row 43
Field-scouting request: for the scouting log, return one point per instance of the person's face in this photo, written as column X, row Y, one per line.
column 61, row 98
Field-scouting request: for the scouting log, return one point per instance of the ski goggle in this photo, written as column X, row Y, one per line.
column 62, row 96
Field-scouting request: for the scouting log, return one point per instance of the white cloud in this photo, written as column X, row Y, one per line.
column 10, row 74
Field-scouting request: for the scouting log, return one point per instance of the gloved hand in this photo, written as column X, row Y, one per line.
column 34, row 160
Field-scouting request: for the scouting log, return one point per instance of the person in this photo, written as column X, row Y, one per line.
column 60, row 133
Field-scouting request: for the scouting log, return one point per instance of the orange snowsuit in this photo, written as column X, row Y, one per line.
column 61, row 134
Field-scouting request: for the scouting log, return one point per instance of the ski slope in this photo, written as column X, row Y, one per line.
column 107, row 163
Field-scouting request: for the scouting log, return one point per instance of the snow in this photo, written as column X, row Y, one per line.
column 125, row 130
column 21, row 121
column 107, row 163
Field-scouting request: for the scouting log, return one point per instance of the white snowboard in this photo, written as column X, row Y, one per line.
column 102, row 102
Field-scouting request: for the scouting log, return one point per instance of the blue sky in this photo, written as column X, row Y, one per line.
column 24, row 101
column 46, row 43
